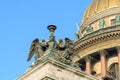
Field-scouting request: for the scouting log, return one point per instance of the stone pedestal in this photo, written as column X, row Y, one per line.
column 55, row 70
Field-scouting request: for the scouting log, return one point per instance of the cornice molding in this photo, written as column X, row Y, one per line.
column 101, row 35
column 58, row 65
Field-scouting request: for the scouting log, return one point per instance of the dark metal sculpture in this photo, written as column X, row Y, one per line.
column 88, row 29
column 101, row 23
column 69, row 48
column 117, row 20
column 60, row 51
column 35, row 46
column 37, row 49
column 61, row 45
column 78, row 35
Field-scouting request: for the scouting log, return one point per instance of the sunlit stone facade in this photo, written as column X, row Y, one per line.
column 96, row 49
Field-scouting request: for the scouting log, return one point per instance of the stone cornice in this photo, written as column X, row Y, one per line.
column 60, row 65
column 97, row 36
column 101, row 14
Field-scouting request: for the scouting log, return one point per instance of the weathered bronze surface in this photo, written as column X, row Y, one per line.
column 117, row 20
column 101, row 23
column 88, row 29
column 60, row 51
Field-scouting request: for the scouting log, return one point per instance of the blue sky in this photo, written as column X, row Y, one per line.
column 21, row 21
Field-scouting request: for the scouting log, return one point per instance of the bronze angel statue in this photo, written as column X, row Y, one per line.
column 69, row 48
column 61, row 45
column 37, row 49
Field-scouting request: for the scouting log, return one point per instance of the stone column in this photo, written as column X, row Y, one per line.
column 103, row 62
column 118, row 51
column 88, row 64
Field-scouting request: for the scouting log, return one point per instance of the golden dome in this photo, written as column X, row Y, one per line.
column 99, row 5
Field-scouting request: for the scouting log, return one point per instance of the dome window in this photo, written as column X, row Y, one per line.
column 113, row 22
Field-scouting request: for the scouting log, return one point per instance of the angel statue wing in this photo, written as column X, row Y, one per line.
column 32, row 48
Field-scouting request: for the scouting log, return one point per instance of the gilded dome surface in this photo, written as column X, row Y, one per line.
column 99, row 5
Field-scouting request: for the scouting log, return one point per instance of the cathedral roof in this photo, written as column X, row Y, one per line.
column 99, row 5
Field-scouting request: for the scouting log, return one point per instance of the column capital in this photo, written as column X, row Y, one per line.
column 87, row 58
column 103, row 52
column 118, row 49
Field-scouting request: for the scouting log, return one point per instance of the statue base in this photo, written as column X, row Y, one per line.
column 54, row 70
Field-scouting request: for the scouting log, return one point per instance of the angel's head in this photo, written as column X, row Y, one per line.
column 67, row 39
column 60, row 40
column 43, row 40
column 36, row 40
